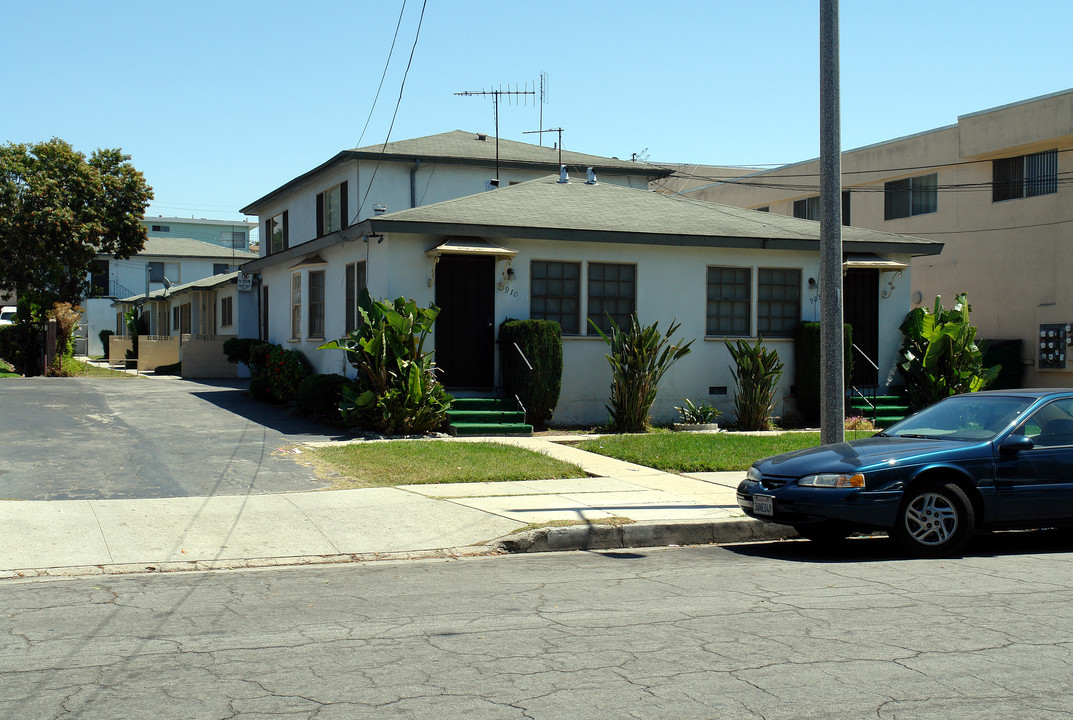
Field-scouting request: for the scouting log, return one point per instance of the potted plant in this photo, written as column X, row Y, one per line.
column 696, row 418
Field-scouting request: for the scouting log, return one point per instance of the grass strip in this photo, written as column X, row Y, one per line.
column 78, row 368
column 413, row 462
column 697, row 452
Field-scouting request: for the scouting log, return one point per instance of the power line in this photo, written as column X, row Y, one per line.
column 390, row 51
column 402, row 87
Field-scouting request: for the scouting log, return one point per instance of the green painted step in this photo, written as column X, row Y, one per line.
column 487, row 416
column 483, row 404
column 465, row 428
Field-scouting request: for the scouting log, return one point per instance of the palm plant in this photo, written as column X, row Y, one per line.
column 757, row 372
column 639, row 357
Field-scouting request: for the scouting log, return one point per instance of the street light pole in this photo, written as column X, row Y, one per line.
column 832, row 363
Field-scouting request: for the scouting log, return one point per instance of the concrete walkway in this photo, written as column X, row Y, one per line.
column 71, row 537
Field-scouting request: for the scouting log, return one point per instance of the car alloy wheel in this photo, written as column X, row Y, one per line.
column 935, row 520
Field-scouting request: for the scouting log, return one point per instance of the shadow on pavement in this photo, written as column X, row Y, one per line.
column 231, row 395
column 883, row 549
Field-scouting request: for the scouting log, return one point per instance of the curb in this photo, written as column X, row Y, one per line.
column 607, row 537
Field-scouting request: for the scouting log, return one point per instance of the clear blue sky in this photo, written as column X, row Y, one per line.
column 220, row 102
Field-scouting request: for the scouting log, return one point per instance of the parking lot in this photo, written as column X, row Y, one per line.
column 88, row 438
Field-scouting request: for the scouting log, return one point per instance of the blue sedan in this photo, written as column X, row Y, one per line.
column 988, row 460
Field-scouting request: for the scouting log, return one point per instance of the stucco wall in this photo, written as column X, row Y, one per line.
column 671, row 285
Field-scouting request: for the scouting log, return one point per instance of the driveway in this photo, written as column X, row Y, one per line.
column 89, row 438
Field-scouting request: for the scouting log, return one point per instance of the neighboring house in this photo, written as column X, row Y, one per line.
column 994, row 187
column 228, row 234
column 163, row 262
column 190, row 323
column 577, row 253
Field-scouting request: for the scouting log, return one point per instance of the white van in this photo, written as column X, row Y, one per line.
column 7, row 314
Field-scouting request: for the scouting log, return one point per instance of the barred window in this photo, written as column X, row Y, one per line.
column 612, row 294
column 728, row 300
column 1024, row 176
column 778, row 307
column 555, row 293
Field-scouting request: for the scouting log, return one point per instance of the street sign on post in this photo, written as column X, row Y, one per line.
column 245, row 282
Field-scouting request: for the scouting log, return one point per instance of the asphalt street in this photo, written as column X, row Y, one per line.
column 90, row 438
column 767, row 630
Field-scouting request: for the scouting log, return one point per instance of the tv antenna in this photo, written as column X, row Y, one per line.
column 554, row 130
column 510, row 95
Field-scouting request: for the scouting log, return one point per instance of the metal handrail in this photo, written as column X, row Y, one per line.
column 525, row 413
column 853, row 388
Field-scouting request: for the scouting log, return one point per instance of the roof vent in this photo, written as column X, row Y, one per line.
column 492, row 184
column 380, row 208
column 592, row 177
column 563, row 178
column 482, row 137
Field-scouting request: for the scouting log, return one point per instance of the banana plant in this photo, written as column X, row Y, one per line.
column 939, row 355
column 396, row 391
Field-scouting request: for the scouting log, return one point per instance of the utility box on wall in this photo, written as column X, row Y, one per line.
column 1054, row 341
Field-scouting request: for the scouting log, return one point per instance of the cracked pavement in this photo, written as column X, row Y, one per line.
column 768, row 630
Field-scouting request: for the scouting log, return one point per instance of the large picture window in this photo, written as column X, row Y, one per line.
column 332, row 209
column 911, row 196
column 1025, row 176
column 316, row 304
column 778, row 301
column 728, row 300
column 555, row 293
column 612, row 294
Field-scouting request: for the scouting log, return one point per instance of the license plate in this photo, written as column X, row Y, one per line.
column 763, row 505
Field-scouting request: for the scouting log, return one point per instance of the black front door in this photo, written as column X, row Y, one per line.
column 465, row 330
column 860, row 291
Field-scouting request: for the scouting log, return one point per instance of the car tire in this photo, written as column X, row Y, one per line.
column 935, row 520
column 826, row 534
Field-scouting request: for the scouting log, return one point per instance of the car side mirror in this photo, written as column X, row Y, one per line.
column 1015, row 444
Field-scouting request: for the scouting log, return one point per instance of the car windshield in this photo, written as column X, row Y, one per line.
column 963, row 417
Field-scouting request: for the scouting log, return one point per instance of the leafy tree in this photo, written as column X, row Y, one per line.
column 58, row 211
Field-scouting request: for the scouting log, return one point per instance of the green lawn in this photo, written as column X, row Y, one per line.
column 407, row 462
column 77, row 368
column 701, row 452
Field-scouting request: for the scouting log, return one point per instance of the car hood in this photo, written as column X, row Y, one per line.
column 868, row 454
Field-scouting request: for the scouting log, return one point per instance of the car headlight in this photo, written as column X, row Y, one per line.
column 753, row 475
column 833, row 480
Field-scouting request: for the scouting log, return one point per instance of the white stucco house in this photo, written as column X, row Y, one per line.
column 565, row 251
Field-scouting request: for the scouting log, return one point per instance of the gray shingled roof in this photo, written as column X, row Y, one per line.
column 190, row 248
column 576, row 212
column 546, row 208
column 463, row 147
column 203, row 283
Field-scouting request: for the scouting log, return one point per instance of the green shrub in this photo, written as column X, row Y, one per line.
column 22, row 344
column 318, row 399
column 238, row 350
column 757, row 371
column 285, row 370
column 541, row 341
column 260, row 389
column 697, row 414
column 396, row 391
column 639, row 358
column 6, row 368
column 258, row 358
column 807, row 367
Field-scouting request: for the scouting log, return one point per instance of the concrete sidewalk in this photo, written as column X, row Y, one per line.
column 70, row 537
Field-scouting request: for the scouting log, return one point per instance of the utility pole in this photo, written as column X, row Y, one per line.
column 832, row 358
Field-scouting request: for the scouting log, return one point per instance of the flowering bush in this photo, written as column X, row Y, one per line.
column 859, row 423
column 285, row 370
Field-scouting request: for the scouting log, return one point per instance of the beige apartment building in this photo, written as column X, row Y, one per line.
column 995, row 188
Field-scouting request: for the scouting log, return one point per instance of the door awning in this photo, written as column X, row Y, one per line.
column 870, row 261
column 462, row 245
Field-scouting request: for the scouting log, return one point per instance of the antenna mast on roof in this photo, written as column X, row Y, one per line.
column 495, row 102
column 558, row 144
